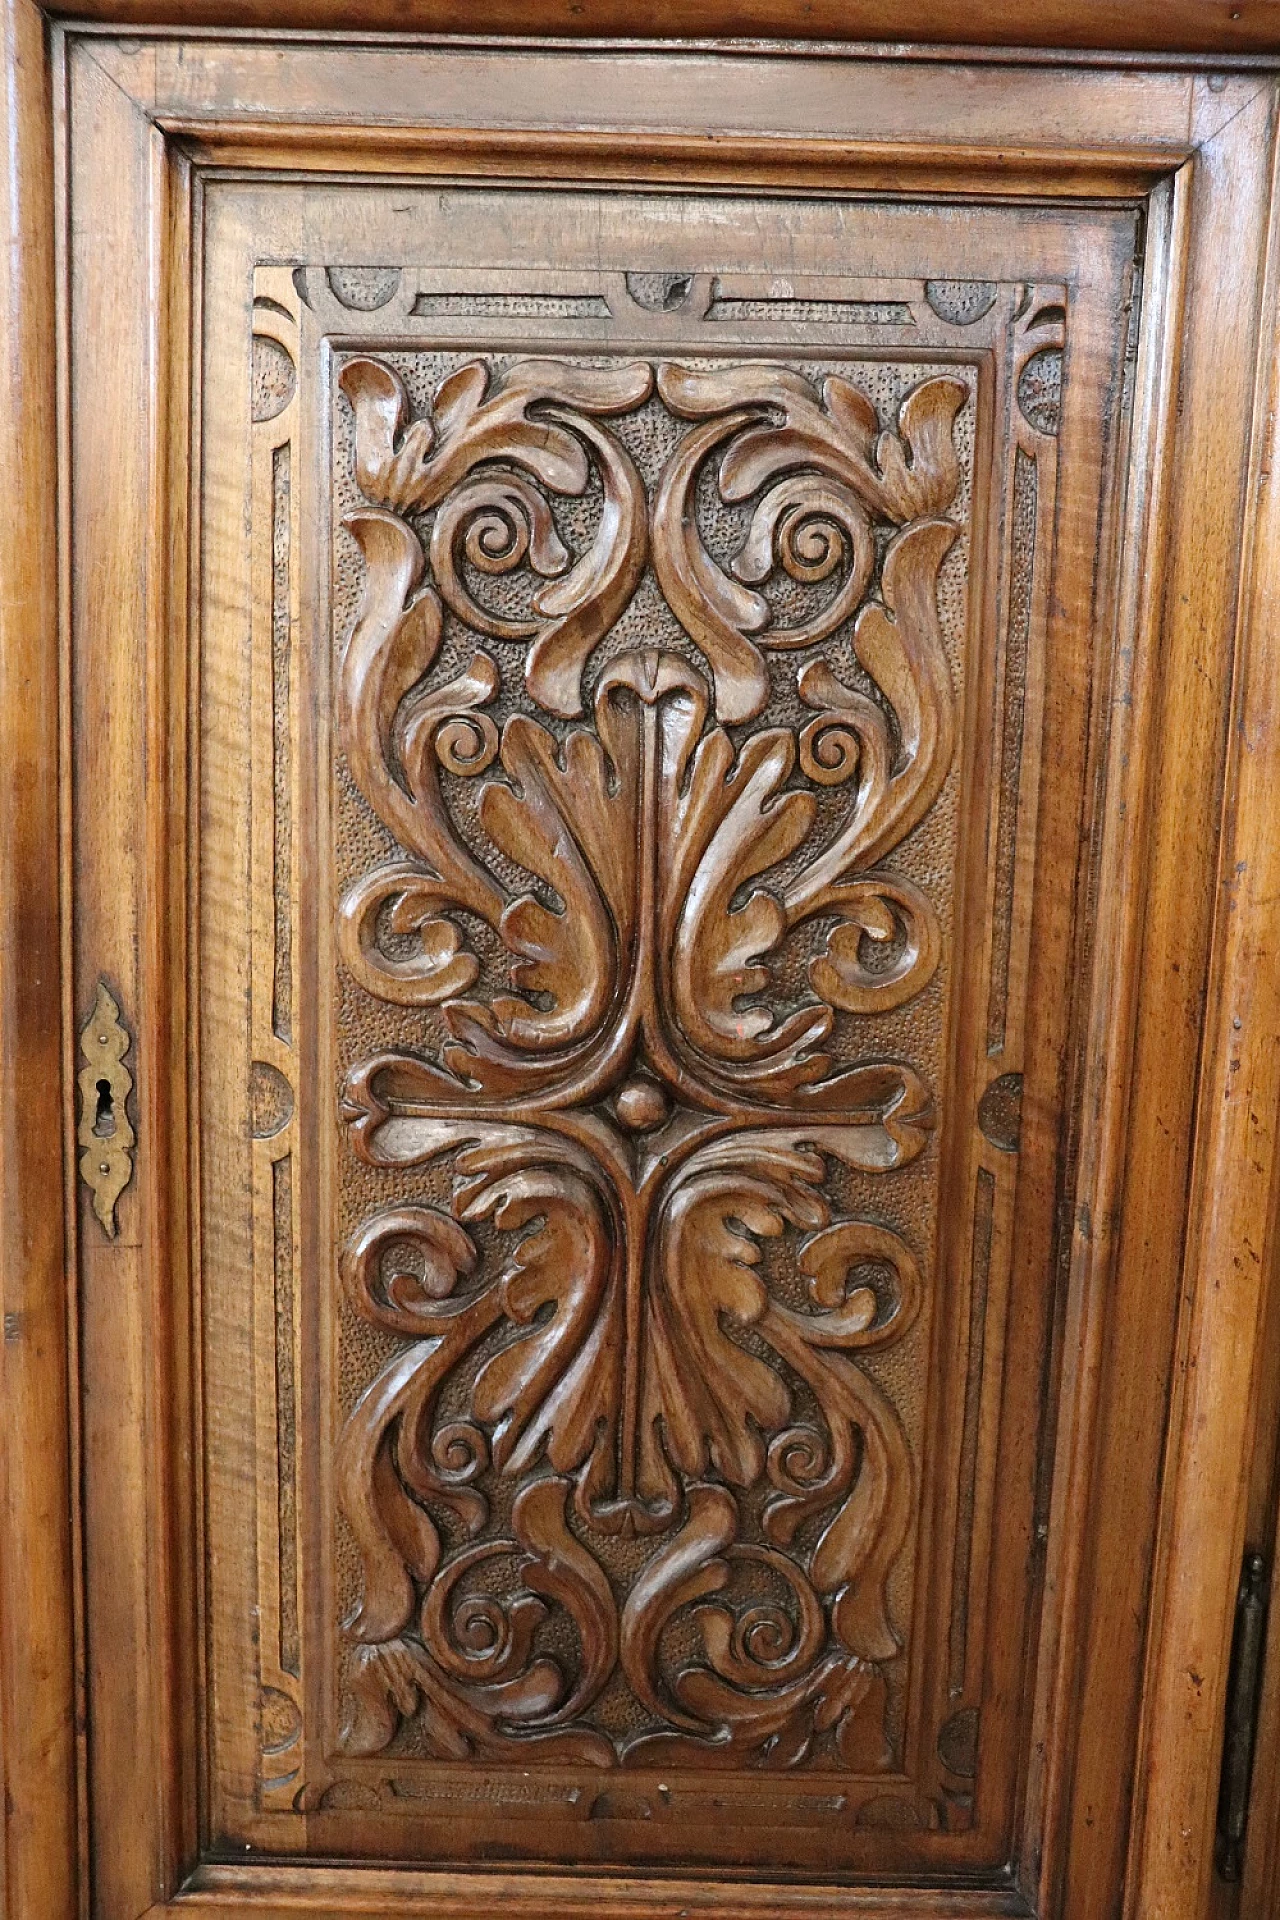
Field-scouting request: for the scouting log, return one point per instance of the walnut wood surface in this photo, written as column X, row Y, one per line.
column 648, row 826
column 1240, row 1097
column 38, row 1865
column 1209, row 26
column 666, row 958
column 626, row 1033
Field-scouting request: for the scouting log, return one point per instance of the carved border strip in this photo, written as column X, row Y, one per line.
column 613, row 304
column 1034, row 354
column 277, row 1189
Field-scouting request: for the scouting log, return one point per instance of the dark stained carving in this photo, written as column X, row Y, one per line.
column 497, row 516
column 821, row 472
column 625, row 1377
column 627, row 1437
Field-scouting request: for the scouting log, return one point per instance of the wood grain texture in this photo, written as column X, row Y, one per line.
column 273, row 1892
column 1192, row 620
column 420, row 297
column 125, row 526
column 1211, row 26
column 38, row 1868
column 1231, row 1253
column 494, row 91
column 512, row 1234
column 392, row 296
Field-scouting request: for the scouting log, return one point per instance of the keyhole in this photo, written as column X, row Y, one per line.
column 104, row 1119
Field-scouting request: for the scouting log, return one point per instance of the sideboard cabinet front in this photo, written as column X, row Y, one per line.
column 650, row 637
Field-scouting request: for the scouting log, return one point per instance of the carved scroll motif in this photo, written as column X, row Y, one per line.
column 597, row 1344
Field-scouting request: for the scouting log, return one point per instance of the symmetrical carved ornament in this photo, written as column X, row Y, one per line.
column 275, row 993
column 625, row 1448
column 105, row 1133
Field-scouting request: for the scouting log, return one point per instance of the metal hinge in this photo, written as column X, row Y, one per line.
column 1132, row 332
column 1244, row 1686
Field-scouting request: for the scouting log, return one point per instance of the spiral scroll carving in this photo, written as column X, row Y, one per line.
column 631, row 1440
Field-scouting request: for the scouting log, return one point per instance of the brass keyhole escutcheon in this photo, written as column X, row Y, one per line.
column 105, row 1133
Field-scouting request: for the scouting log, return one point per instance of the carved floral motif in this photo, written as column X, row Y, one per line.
column 633, row 1120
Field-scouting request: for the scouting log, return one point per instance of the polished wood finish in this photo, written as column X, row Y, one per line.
column 38, row 1864
column 1187, row 26
column 624, row 1102
column 351, row 855
column 1209, row 1460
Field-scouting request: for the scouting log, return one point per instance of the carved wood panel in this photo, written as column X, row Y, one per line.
column 310, row 1652
column 652, row 1085
column 645, row 790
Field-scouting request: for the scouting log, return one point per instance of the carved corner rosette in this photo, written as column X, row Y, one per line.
column 641, row 1320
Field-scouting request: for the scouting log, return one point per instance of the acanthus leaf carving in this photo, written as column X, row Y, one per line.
column 600, row 1341
column 620, row 1371
column 769, row 1682
column 501, row 522
column 392, row 736
column 723, row 818
column 795, row 523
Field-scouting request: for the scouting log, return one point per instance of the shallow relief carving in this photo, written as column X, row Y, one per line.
column 647, row 686
column 272, row 1093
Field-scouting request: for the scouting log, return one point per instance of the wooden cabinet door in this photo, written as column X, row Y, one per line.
column 639, row 904
column 649, row 638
